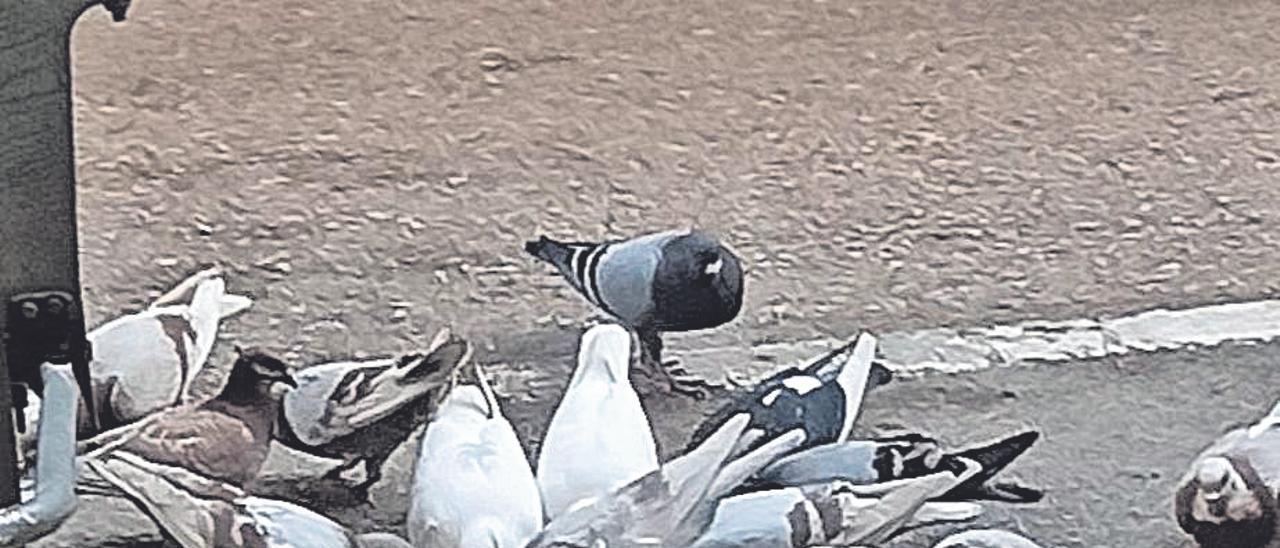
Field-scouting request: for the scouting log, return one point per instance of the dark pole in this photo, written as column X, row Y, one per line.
column 38, row 243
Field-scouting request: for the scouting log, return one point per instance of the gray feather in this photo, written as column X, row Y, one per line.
column 851, row 461
column 625, row 276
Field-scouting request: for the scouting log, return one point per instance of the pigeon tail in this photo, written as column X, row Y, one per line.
column 551, row 251
column 994, row 457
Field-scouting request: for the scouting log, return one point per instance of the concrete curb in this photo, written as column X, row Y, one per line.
column 957, row 350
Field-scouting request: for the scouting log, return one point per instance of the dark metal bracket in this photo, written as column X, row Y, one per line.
column 45, row 326
column 39, row 246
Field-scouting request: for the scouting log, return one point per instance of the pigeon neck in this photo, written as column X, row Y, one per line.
column 599, row 370
column 244, row 387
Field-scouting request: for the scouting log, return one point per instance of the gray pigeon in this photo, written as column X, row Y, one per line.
column 361, row 411
column 835, row 513
column 668, row 281
column 905, row 456
column 671, row 506
column 1228, row 497
column 986, row 538
column 194, row 512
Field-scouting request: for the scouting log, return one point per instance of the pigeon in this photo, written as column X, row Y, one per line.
column 361, row 411
column 673, row 505
column 472, row 486
column 986, row 538
column 661, row 282
column 1228, row 497
column 599, row 438
column 270, row 522
column 823, row 398
column 226, row 438
column 195, row 512
column 901, row 457
column 381, row 540
column 145, row 362
column 51, row 497
column 835, row 513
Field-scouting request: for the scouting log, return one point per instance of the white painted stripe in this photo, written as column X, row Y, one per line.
column 953, row 350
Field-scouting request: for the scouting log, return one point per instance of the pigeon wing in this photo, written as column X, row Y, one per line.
column 205, row 441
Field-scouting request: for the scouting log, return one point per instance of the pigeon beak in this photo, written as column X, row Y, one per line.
column 288, row 380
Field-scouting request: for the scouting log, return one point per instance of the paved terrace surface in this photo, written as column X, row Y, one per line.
column 368, row 170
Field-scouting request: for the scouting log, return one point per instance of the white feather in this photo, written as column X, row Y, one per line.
column 986, row 538
column 853, row 381
column 599, row 438
column 472, row 487
column 140, row 365
column 802, row 384
column 287, row 525
column 234, row 304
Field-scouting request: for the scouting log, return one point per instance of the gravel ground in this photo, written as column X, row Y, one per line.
column 878, row 164
column 368, row 170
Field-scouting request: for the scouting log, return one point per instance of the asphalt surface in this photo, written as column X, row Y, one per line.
column 1118, row 434
column 368, row 171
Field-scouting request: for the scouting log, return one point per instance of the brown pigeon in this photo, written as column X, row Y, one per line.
column 1227, row 499
column 226, row 438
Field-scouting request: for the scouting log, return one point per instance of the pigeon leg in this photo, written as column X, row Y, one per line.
column 679, row 382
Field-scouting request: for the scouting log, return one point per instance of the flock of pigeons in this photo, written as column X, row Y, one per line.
column 774, row 466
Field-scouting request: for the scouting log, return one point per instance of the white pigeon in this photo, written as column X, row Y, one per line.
column 146, row 361
column 472, row 486
column 673, row 505
column 599, row 438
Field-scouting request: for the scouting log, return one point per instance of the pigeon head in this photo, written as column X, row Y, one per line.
column 698, row 284
column 254, row 373
column 605, row 355
column 708, row 262
column 1224, row 503
column 1222, row 494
